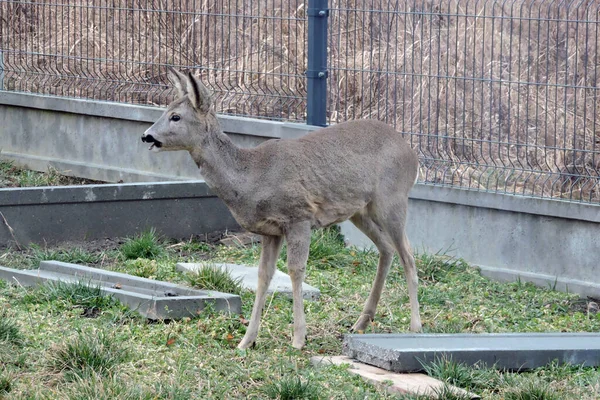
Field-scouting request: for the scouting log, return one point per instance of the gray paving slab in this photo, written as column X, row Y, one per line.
column 281, row 282
column 152, row 299
column 506, row 351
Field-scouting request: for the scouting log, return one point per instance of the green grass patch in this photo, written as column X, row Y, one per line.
column 94, row 386
column 13, row 176
column 210, row 277
column 460, row 375
column 447, row 393
column 450, row 372
column 63, row 294
column 438, row 268
column 87, row 353
column 141, row 267
column 197, row 357
column 145, row 245
column 162, row 270
column 9, row 331
column 74, row 255
column 327, row 249
column 532, row 391
column 291, row 388
column 5, row 384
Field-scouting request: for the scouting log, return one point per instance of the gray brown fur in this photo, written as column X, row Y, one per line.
column 359, row 170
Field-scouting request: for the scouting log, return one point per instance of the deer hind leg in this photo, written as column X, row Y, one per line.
column 271, row 246
column 394, row 225
column 298, row 242
column 386, row 254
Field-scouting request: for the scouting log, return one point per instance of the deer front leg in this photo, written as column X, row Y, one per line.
column 298, row 242
column 271, row 246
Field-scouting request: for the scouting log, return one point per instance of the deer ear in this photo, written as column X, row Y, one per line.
column 178, row 80
column 198, row 93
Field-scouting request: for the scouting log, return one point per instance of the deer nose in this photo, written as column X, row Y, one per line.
column 148, row 138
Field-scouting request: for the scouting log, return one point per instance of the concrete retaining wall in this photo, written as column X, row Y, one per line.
column 101, row 140
column 58, row 214
column 549, row 242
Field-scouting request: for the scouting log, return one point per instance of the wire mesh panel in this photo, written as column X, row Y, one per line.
column 496, row 95
column 251, row 53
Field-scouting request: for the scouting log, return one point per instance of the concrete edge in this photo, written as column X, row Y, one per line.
column 81, row 106
column 152, row 307
column 103, row 193
column 522, row 351
column 80, row 169
column 104, row 275
column 579, row 287
column 507, row 202
column 350, row 337
column 132, row 112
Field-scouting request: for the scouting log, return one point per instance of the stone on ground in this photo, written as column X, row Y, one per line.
column 153, row 299
column 505, row 351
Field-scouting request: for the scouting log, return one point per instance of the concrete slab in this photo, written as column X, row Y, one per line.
column 509, row 351
column 416, row 384
column 281, row 282
column 152, row 299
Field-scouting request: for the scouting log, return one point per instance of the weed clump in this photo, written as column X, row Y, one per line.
column 80, row 294
column 531, row 391
column 145, row 245
column 291, row 388
column 9, row 331
column 210, row 277
column 87, row 353
column 75, row 255
column 327, row 249
column 5, row 385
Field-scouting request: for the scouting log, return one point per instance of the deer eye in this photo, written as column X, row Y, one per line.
column 175, row 118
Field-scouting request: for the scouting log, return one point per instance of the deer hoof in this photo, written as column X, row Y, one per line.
column 299, row 343
column 361, row 325
column 416, row 327
column 246, row 344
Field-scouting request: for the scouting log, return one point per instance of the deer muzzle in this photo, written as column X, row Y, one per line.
column 151, row 139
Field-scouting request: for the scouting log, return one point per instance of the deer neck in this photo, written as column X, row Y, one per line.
column 221, row 165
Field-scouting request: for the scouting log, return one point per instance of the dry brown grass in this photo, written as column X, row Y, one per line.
column 496, row 95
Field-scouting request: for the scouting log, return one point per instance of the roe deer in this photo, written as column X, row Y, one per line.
column 359, row 170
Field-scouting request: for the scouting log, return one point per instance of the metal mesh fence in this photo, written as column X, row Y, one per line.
column 495, row 95
column 251, row 53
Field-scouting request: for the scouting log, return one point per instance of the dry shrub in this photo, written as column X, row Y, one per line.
column 496, row 95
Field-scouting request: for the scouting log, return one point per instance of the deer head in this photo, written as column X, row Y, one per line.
column 187, row 120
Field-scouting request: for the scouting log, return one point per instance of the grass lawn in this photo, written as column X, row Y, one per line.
column 68, row 342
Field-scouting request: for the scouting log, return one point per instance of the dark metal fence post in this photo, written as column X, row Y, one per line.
column 318, row 13
column 1, row 70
